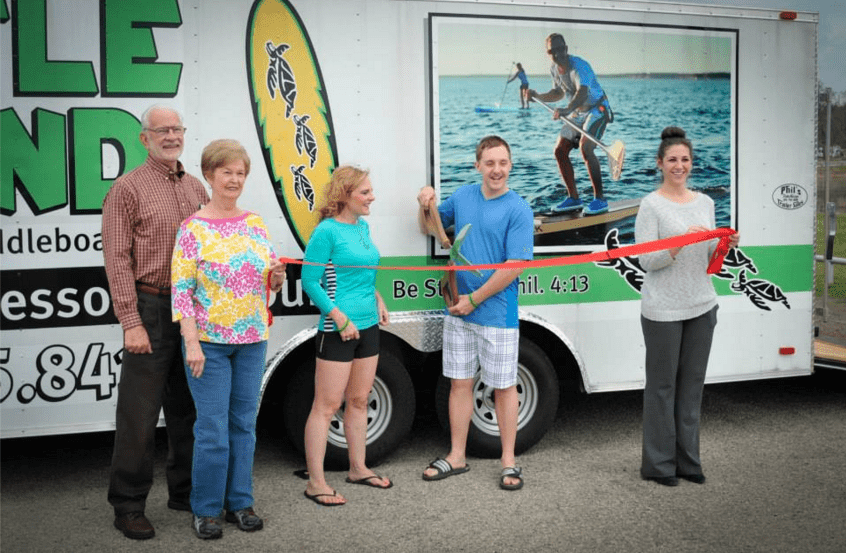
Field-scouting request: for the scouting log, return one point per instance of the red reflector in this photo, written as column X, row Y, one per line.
column 788, row 15
column 786, row 351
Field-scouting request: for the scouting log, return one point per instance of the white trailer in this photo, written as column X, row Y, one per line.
column 392, row 85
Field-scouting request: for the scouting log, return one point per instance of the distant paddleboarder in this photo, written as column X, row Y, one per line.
column 573, row 78
column 524, row 85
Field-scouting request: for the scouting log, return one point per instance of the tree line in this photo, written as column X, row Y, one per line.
column 838, row 125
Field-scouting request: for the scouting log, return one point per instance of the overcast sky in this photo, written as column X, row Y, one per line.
column 832, row 32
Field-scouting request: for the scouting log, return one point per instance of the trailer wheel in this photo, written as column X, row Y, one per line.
column 390, row 412
column 538, row 391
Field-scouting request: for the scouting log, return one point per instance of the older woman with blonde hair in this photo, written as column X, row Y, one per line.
column 223, row 264
column 347, row 341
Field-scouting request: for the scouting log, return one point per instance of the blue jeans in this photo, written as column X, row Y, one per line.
column 226, row 396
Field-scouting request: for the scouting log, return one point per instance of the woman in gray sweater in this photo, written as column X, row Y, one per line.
column 678, row 315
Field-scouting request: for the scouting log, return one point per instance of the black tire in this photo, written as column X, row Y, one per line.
column 538, row 391
column 390, row 412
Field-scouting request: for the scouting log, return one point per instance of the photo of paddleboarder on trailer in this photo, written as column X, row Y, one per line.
column 688, row 72
column 588, row 110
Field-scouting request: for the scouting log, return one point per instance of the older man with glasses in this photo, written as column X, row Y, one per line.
column 141, row 214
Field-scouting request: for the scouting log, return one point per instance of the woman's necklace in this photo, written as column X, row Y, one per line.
column 361, row 235
column 354, row 222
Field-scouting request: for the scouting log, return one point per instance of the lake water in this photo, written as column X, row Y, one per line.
column 642, row 108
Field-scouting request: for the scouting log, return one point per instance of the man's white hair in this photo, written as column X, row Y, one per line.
column 145, row 117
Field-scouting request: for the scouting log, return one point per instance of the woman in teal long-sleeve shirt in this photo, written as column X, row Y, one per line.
column 347, row 341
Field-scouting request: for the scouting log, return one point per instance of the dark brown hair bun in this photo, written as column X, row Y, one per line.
column 671, row 136
column 672, row 132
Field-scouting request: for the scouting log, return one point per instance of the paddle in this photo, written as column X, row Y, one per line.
column 616, row 152
column 504, row 90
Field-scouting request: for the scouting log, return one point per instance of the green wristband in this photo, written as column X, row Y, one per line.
column 473, row 303
column 346, row 324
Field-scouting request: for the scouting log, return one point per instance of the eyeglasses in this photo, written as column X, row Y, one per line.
column 164, row 131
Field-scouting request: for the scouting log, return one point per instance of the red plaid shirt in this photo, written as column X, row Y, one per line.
column 141, row 215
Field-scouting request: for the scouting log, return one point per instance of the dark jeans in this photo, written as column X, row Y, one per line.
column 149, row 383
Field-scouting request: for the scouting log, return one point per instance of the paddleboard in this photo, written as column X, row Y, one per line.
column 557, row 222
column 495, row 109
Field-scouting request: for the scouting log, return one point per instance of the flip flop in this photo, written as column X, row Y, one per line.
column 444, row 469
column 511, row 472
column 322, row 503
column 367, row 481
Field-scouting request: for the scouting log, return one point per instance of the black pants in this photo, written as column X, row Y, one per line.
column 149, row 383
column 676, row 360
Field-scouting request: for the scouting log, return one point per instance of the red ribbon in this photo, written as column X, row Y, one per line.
column 625, row 251
column 716, row 262
column 267, row 292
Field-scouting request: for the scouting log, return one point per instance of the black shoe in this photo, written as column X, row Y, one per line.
column 695, row 478
column 207, row 528
column 179, row 505
column 247, row 519
column 135, row 526
column 663, row 480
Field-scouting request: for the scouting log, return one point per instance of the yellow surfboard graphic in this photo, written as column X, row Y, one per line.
column 291, row 110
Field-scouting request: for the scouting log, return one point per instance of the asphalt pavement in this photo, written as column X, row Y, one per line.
column 773, row 453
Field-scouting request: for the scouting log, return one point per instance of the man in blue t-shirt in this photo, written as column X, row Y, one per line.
column 482, row 328
column 573, row 78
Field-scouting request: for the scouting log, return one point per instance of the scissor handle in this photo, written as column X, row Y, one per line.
column 434, row 224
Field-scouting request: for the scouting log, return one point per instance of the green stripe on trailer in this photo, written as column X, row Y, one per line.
column 790, row 268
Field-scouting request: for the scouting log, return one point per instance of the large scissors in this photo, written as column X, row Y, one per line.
column 448, row 284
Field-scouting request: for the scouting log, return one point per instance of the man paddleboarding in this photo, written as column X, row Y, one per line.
column 573, row 78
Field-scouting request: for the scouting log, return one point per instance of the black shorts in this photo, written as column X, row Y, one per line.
column 330, row 347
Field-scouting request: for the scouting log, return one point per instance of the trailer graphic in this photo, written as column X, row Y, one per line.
column 308, row 84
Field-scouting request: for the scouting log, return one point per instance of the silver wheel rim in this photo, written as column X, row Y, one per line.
column 484, row 413
column 380, row 409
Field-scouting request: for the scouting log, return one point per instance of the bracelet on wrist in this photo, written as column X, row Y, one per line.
column 346, row 324
column 473, row 303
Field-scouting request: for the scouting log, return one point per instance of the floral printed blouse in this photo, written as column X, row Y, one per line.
column 219, row 276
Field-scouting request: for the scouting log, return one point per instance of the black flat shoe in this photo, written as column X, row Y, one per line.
column 663, row 480
column 695, row 478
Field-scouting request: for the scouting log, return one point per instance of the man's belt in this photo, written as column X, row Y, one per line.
column 150, row 289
